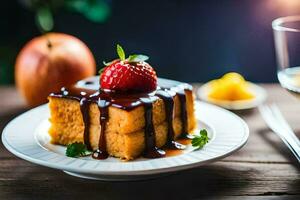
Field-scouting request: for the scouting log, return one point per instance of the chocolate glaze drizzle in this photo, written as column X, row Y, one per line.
column 88, row 91
column 151, row 151
column 182, row 99
column 169, row 109
column 101, row 152
column 84, row 108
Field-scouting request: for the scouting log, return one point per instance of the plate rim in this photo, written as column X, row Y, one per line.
column 129, row 172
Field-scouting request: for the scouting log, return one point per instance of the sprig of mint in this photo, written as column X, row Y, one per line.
column 131, row 58
column 199, row 141
column 77, row 149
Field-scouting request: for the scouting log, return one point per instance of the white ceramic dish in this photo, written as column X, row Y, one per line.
column 259, row 92
column 26, row 136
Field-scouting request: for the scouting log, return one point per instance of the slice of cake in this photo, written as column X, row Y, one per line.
column 132, row 114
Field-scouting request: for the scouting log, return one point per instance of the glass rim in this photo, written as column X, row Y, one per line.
column 278, row 24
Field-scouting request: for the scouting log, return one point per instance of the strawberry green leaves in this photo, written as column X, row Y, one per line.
column 137, row 58
column 107, row 63
column 134, row 58
column 121, row 52
column 102, row 69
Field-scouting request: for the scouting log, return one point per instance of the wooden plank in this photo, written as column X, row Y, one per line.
column 221, row 178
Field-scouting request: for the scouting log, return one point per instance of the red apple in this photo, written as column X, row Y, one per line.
column 49, row 62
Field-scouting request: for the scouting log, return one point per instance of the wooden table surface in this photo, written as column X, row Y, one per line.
column 263, row 169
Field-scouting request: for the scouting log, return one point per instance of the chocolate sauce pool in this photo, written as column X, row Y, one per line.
column 87, row 92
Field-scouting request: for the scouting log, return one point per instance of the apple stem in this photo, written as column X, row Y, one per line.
column 49, row 44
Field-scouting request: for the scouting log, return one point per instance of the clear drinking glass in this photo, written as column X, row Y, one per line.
column 287, row 44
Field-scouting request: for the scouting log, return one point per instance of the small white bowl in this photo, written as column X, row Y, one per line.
column 258, row 91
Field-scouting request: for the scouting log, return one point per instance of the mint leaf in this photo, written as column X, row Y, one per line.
column 137, row 58
column 77, row 149
column 201, row 140
column 120, row 52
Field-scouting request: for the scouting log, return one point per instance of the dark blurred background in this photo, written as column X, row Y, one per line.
column 188, row 40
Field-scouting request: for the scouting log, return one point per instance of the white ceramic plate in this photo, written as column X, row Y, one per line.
column 26, row 136
column 259, row 92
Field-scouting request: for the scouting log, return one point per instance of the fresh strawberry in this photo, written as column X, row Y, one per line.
column 130, row 75
column 125, row 76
